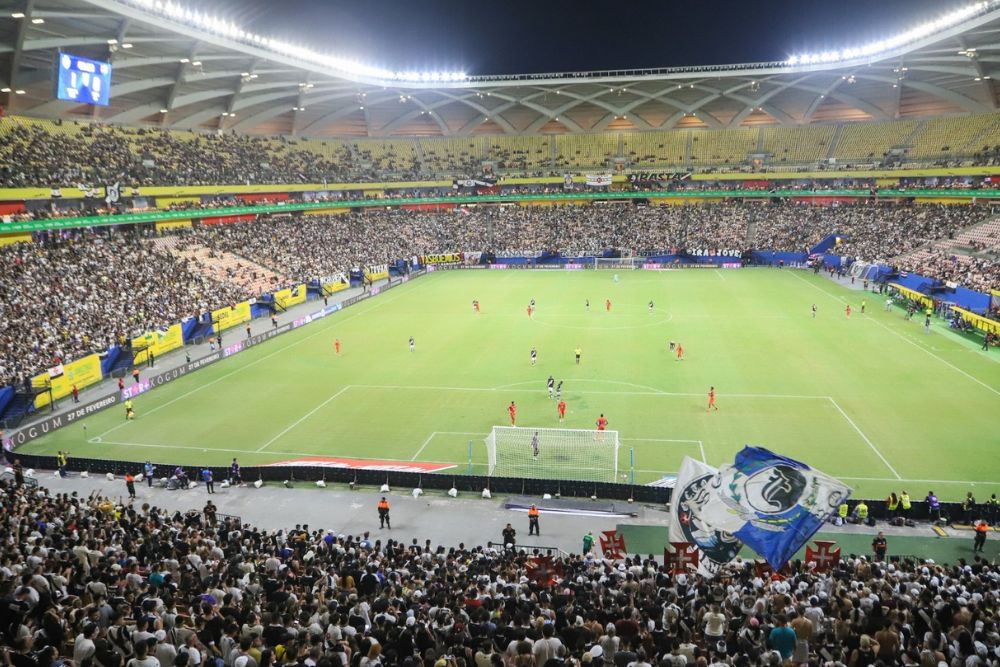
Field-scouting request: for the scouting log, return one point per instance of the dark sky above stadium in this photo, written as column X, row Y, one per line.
column 521, row 36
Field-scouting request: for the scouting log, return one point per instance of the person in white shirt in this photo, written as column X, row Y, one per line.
column 84, row 647
column 546, row 647
column 715, row 624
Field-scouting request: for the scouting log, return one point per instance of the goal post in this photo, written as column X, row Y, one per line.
column 562, row 453
column 618, row 263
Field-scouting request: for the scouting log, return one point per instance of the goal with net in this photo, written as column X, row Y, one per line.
column 553, row 453
column 618, row 263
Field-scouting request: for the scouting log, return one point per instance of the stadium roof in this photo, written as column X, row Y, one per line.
column 176, row 73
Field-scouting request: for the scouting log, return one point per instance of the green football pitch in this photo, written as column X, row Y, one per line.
column 869, row 398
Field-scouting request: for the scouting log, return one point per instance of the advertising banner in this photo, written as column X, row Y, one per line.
column 290, row 296
column 157, row 342
column 224, row 318
column 82, row 373
column 598, row 180
column 377, row 272
column 447, row 258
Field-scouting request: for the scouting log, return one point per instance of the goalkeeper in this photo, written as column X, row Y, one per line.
column 534, row 445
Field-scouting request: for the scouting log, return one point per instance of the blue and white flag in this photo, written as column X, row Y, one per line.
column 772, row 503
column 693, row 491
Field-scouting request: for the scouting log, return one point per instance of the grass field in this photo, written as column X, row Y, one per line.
column 870, row 399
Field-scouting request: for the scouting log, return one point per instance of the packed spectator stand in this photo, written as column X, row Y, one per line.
column 70, row 294
column 91, row 582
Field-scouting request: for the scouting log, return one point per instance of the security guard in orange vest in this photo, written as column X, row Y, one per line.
column 383, row 514
column 980, row 540
column 533, row 521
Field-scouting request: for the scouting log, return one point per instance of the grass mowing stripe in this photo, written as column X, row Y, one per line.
column 865, row 438
column 901, row 336
column 334, row 321
column 301, row 419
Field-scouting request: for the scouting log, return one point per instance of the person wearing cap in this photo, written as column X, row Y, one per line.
column 383, row 514
column 533, row 520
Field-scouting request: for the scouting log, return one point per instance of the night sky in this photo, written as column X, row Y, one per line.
column 522, row 36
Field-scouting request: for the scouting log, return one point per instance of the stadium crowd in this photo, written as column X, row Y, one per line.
column 76, row 293
column 89, row 582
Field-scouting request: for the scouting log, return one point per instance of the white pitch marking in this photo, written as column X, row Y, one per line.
column 301, row 419
column 904, row 338
column 426, row 442
column 865, row 438
column 721, row 277
column 611, row 393
column 256, row 361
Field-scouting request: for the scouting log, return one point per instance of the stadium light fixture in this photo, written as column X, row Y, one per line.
column 163, row 111
column 179, row 13
column 4, row 90
column 908, row 37
column 19, row 91
column 38, row 21
column 127, row 45
column 17, row 15
column 185, row 60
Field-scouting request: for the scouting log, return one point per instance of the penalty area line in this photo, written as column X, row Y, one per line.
column 865, row 438
column 301, row 419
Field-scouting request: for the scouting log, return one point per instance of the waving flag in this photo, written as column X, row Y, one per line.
column 772, row 503
column 693, row 492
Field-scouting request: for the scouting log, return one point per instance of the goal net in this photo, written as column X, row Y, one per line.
column 562, row 453
column 618, row 263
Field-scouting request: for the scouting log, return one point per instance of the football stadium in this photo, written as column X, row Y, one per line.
column 312, row 357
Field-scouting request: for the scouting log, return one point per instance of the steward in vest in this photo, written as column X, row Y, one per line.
column 861, row 511
column 383, row 514
column 533, row 521
column 904, row 502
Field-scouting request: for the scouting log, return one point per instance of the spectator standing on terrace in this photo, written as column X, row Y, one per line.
column 130, row 484
column 782, row 637
column 148, row 472
column 588, row 542
column 76, row 394
column 207, row 477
